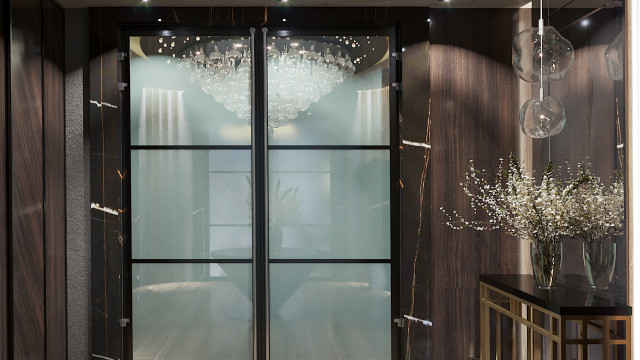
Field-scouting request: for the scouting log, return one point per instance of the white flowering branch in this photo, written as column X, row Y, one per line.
column 596, row 212
column 513, row 202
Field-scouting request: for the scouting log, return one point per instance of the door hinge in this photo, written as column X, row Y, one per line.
column 122, row 85
column 400, row 322
column 124, row 321
column 122, row 55
column 397, row 86
column 397, row 56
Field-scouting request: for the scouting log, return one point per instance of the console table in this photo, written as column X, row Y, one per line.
column 519, row 320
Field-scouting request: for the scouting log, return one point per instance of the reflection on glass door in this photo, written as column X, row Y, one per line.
column 191, row 242
column 329, row 197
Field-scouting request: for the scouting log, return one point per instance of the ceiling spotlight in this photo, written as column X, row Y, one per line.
column 159, row 20
column 284, row 20
column 584, row 23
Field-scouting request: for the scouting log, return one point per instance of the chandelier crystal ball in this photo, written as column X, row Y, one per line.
column 299, row 73
column 550, row 54
column 542, row 118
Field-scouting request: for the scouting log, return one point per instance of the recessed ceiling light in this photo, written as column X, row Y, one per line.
column 159, row 20
column 284, row 20
column 584, row 23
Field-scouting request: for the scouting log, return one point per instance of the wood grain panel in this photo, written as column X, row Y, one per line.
column 474, row 110
column 54, row 181
column 4, row 255
column 27, row 183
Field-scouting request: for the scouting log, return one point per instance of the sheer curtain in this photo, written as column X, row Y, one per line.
column 163, row 184
column 373, row 114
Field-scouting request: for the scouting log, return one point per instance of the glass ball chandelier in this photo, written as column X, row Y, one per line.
column 299, row 73
column 539, row 55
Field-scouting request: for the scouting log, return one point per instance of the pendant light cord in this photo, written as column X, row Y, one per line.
column 541, row 33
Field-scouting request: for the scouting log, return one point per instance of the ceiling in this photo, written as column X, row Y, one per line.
column 336, row 3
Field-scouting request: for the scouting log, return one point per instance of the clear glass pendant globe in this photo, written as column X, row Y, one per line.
column 551, row 51
column 614, row 58
column 541, row 119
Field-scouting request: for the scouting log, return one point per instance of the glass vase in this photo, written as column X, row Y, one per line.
column 546, row 259
column 599, row 261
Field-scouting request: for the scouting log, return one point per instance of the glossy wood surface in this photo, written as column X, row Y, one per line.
column 54, row 181
column 32, row 198
column 27, row 182
column 106, row 160
column 416, row 280
column 574, row 298
column 4, row 145
column 474, row 107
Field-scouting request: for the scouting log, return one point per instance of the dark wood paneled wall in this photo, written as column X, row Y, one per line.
column 32, row 209
column 474, row 109
column 4, row 146
column 54, row 180
column 27, row 181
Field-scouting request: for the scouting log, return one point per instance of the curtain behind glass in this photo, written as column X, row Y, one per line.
column 164, row 194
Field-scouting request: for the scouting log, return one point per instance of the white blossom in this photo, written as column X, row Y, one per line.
column 547, row 212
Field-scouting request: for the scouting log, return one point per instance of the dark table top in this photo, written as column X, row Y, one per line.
column 564, row 299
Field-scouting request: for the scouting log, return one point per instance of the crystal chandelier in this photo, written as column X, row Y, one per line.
column 299, row 73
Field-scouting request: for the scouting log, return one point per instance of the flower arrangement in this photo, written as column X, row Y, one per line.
column 547, row 212
column 596, row 211
column 514, row 202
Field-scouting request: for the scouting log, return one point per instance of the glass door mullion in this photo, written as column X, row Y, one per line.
column 259, row 196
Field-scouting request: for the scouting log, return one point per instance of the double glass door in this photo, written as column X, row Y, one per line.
column 262, row 195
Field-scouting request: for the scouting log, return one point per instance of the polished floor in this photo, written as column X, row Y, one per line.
column 320, row 320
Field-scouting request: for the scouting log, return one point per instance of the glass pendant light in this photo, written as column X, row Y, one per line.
column 541, row 118
column 542, row 54
column 541, row 57
column 614, row 58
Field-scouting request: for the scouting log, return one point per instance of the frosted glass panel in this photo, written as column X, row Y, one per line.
column 354, row 112
column 180, row 312
column 169, row 105
column 191, row 204
column 329, row 204
column 330, row 311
